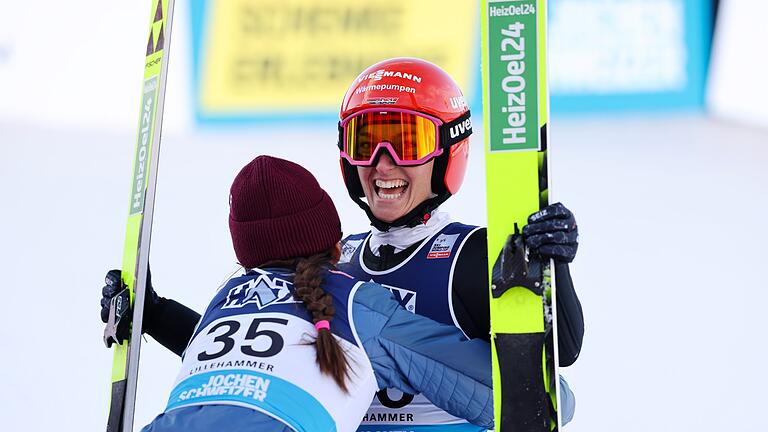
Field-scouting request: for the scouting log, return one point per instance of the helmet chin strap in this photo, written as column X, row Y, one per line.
column 419, row 215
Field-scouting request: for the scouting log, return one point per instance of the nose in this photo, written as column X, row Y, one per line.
column 385, row 162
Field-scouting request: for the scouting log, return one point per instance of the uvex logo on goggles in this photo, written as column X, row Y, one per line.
column 410, row 137
column 461, row 128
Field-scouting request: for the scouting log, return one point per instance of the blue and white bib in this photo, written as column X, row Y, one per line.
column 252, row 348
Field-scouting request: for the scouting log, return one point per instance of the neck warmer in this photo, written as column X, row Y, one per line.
column 401, row 237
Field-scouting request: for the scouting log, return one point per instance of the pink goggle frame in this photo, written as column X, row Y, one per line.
column 410, row 137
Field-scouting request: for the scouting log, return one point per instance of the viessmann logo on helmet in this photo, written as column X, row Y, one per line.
column 383, row 73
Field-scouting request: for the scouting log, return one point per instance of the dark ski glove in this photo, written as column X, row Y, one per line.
column 552, row 233
column 114, row 286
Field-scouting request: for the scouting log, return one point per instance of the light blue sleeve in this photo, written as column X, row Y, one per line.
column 567, row 402
column 417, row 355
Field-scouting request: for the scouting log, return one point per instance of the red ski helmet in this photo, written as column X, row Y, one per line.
column 421, row 87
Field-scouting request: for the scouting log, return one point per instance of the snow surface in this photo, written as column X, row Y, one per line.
column 671, row 213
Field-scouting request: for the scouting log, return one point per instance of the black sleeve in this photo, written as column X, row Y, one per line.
column 471, row 303
column 171, row 324
column 570, row 319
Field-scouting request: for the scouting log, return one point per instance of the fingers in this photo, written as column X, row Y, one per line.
column 113, row 286
column 550, row 226
column 560, row 253
column 552, row 233
column 105, row 301
column 113, row 278
column 558, row 237
column 559, row 245
column 109, row 291
column 552, row 211
column 104, row 314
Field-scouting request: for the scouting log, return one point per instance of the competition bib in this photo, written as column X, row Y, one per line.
column 422, row 284
column 265, row 361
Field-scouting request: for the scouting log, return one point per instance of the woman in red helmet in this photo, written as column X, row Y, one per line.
column 404, row 141
column 414, row 114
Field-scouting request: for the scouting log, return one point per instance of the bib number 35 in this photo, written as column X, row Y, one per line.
column 231, row 327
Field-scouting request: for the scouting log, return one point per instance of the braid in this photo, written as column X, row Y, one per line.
column 307, row 287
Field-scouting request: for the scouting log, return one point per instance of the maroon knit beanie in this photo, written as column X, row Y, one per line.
column 278, row 211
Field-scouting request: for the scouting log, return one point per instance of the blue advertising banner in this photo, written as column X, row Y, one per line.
column 628, row 55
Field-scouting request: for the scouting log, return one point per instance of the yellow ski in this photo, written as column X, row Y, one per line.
column 515, row 104
column 138, row 232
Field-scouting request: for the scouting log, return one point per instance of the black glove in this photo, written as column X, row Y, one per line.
column 552, row 233
column 113, row 287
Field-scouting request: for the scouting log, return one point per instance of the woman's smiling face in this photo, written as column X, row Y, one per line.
column 391, row 190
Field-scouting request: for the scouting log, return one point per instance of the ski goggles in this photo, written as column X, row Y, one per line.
column 411, row 138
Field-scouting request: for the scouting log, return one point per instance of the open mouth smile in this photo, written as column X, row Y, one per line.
column 390, row 189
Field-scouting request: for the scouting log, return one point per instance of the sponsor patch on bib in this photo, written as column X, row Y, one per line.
column 261, row 291
column 348, row 250
column 442, row 246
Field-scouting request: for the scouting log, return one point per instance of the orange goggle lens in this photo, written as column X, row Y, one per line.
column 412, row 137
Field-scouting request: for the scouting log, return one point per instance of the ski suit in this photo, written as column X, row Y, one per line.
column 442, row 276
column 250, row 364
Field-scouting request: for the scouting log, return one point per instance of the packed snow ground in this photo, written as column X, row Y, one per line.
column 671, row 212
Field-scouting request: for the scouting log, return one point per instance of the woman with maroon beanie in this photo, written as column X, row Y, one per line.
column 294, row 344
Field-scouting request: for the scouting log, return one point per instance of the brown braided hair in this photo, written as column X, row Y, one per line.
column 307, row 281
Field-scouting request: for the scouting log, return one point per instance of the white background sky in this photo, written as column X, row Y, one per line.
column 671, row 213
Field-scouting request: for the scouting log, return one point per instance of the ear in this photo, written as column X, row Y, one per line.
column 336, row 253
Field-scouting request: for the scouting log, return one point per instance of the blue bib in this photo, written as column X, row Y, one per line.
column 422, row 284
